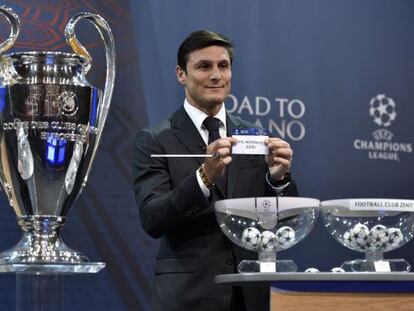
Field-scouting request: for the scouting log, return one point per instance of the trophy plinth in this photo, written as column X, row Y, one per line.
column 41, row 243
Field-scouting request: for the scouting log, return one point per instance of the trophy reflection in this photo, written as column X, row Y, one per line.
column 51, row 124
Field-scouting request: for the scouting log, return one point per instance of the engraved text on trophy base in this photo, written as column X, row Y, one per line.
column 62, row 130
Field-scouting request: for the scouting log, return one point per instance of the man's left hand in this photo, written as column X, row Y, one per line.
column 279, row 158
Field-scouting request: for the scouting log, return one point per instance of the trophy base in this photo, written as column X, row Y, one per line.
column 49, row 268
column 41, row 244
column 382, row 265
column 252, row 266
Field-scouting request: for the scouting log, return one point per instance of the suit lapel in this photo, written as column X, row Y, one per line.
column 186, row 132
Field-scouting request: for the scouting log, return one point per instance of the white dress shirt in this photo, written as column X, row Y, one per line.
column 198, row 117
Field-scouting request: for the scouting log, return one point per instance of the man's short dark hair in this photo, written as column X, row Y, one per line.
column 199, row 40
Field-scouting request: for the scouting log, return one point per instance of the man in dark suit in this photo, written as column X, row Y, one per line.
column 176, row 195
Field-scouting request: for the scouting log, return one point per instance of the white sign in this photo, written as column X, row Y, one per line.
column 381, row 205
column 267, row 266
column 382, row 266
column 250, row 144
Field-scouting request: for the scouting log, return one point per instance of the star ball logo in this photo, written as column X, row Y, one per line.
column 267, row 204
column 383, row 111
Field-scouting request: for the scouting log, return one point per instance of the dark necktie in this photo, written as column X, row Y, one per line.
column 212, row 125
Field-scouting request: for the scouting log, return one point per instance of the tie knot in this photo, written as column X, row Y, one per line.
column 211, row 124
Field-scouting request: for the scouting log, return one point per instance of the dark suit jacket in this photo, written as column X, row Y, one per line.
column 173, row 208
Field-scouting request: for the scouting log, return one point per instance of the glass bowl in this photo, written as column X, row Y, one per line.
column 266, row 225
column 372, row 227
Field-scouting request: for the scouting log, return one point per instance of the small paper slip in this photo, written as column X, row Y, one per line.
column 267, row 267
column 250, row 141
column 382, row 266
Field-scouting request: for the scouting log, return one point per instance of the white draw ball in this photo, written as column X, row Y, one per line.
column 251, row 238
column 285, row 236
column 378, row 237
column 395, row 238
column 359, row 236
column 268, row 241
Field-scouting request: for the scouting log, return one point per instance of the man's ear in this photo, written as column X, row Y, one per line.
column 181, row 76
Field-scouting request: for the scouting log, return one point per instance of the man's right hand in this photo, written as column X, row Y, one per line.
column 221, row 157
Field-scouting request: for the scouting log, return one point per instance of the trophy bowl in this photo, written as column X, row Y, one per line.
column 266, row 225
column 372, row 227
column 51, row 120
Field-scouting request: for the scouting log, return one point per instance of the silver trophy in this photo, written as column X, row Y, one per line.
column 51, row 124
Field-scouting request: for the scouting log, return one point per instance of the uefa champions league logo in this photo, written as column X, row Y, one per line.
column 267, row 204
column 382, row 110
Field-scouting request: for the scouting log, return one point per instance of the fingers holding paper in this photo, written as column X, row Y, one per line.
column 279, row 158
column 221, row 157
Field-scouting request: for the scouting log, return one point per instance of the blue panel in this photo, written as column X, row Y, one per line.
column 55, row 150
column 50, row 59
column 94, row 106
column 3, row 94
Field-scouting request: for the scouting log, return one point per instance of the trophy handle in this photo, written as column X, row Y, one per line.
column 106, row 35
column 14, row 22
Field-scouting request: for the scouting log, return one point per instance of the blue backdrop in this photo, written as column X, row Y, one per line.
column 307, row 70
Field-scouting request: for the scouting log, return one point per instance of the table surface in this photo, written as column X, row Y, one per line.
column 267, row 278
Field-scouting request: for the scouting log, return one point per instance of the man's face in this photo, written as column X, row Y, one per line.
column 207, row 81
